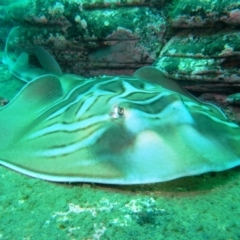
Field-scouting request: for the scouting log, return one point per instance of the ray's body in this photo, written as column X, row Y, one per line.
column 115, row 130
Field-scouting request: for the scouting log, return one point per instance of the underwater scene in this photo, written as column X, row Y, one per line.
column 119, row 119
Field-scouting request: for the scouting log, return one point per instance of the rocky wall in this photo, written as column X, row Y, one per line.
column 194, row 41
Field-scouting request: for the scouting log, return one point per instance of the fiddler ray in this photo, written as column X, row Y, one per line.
column 110, row 129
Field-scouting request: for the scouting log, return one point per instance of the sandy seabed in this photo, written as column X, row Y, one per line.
column 201, row 207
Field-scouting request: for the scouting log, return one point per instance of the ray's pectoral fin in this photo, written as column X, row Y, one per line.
column 47, row 61
column 29, row 103
column 37, row 94
column 154, row 75
column 20, row 68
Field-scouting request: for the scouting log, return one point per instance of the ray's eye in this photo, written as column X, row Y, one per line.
column 117, row 112
column 120, row 111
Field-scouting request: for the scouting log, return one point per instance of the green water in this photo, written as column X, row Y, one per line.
column 204, row 207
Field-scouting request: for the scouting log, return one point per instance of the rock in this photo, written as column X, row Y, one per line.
column 89, row 41
column 202, row 13
column 196, row 42
column 222, row 101
column 203, row 60
column 233, row 99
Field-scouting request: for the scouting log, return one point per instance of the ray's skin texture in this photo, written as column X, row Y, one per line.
column 114, row 130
